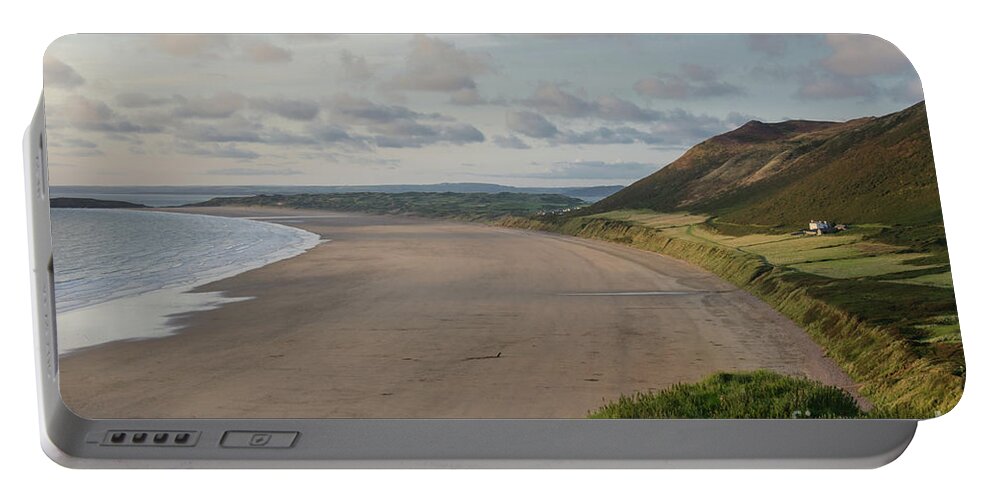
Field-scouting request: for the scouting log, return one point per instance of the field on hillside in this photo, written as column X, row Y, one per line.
column 855, row 255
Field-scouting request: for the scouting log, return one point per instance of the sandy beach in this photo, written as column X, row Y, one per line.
column 396, row 317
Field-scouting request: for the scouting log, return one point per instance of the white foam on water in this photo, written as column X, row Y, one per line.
column 122, row 274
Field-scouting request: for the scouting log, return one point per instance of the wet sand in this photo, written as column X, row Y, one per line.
column 396, row 317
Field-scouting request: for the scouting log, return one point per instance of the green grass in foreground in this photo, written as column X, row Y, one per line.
column 759, row 394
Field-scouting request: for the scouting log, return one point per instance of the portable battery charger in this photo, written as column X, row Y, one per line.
column 486, row 251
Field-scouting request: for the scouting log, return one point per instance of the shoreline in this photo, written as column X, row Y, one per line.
column 91, row 322
column 385, row 322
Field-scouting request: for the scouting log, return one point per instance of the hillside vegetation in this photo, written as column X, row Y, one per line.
column 466, row 206
column 782, row 175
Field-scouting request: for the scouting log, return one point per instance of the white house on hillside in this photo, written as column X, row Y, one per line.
column 820, row 227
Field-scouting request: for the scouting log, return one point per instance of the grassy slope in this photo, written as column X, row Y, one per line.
column 882, row 171
column 759, row 394
column 469, row 206
column 722, row 166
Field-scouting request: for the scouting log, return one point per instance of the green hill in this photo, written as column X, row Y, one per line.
column 781, row 175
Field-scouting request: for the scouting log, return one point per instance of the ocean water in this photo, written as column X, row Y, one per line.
column 121, row 274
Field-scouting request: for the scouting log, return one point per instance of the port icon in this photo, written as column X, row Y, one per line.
column 150, row 438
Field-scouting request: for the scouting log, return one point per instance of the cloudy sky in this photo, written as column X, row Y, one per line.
column 526, row 110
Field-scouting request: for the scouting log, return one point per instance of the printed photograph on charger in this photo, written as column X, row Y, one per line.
column 496, row 226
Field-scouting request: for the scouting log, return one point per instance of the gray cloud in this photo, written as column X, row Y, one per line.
column 277, row 136
column 216, row 151
column 737, row 119
column 190, row 45
column 677, row 88
column 531, row 124
column 864, row 55
column 596, row 170
column 692, row 82
column 510, row 142
column 262, row 51
column 76, row 143
column 395, row 126
column 366, row 111
column 411, row 134
column 672, row 127
column 814, row 83
column 85, row 153
column 92, row 114
column 219, row 105
column 129, row 138
column 848, row 72
column 910, row 90
column 254, row 171
column 60, row 74
column 233, row 152
column 616, row 109
column 467, row 97
column 238, row 129
column 75, row 147
column 607, row 135
column 387, row 126
column 435, row 65
column 213, row 46
column 683, row 127
column 551, row 99
column 330, row 134
column 772, row 45
column 353, row 67
column 139, row 100
column 292, row 109
column 698, row 73
column 818, row 86
column 231, row 131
